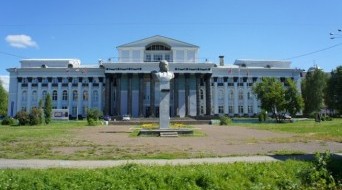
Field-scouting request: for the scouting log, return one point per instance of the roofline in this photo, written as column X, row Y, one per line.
column 127, row 44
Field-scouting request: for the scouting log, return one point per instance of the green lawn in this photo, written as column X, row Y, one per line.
column 327, row 130
column 276, row 175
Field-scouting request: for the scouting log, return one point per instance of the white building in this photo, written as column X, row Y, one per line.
column 125, row 86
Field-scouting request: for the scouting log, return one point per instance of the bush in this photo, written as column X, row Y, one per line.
column 35, row 116
column 224, row 120
column 8, row 121
column 22, row 117
column 262, row 116
column 93, row 116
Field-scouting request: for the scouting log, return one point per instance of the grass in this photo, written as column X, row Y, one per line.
column 326, row 131
column 275, row 175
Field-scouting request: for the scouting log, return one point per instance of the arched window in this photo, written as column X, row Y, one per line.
column 44, row 94
column 65, row 95
column 24, row 96
column 240, row 95
column 74, row 95
column 95, row 96
column 85, row 95
column 231, row 95
column 220, row 95
column 158, row 47
column 34, row 96
column 54, row 95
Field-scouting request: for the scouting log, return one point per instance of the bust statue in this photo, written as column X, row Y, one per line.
column 164, row 75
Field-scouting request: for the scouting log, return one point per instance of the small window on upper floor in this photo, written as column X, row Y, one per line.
column 158, row 47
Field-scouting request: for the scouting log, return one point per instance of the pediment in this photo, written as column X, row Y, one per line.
column 155, row 39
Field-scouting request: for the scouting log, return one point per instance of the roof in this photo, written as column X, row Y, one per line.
column 158, row 38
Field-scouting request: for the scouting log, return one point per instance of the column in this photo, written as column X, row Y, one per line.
column 29, row 95
column 99, row 104
column 19, row 92
column 39, row 91
column 152, row 99
column 107, row 96
column 118, row 94
column 207, row 94
column 59, row 95
column 141, row 95
column 79, row 98
column 245, row 98
column 175, row 94
column 70, row 96
column 226, row 95
column 129, row 93
column 90, row 92
column 187, row 110
column 215, row 97
column 198, row 108
column 236, row 96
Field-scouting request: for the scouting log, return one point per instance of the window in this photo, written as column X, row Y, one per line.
column 231, row 95
column 202, row 110
column 220, row 109
column 148, row 58
column 25, row 81
column 74, row 80
column 157, row 57
column 65, row 95
column 54, row 95
column 167, row 57
column 45, row 81
column 24, row 96
column 240, row 95
column 95, row 96
column 65, row 81
column 34, row 81
column 250, row 109
column 220, row 95
column 85, row 109
column 34, row 96
column 54, row 81
column 230, row 109
column 54, row 107
column 64, row 107
column 201, row 94
column 44, row 94
column 85, row 95
column 249, row 96
column 240, row 109
column 158, row 47
column 74, row 110
column 74, row 95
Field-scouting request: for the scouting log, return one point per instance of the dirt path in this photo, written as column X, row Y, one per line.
column 218, row 141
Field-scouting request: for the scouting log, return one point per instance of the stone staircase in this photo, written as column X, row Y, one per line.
column 169, row 134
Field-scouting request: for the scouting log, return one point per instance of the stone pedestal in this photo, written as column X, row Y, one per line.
column 164, row 109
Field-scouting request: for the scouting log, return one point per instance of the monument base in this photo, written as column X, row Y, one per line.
column 160, row 132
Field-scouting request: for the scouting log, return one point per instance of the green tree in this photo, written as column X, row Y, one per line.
column 271, row 94
column 35, row 116
column 313, row 87
column 333, row 93
column 48, row 108
column 3, row 100
column 294, row 101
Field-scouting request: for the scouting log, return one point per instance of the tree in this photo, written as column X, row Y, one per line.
column 294, row 101
column 271, row 94
column 48, row 108
column 22, row 117
column 313, row 90
column 3, row 100
column 35, row 116
column 333, row 93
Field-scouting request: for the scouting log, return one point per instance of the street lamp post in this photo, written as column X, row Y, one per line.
column 336, row 35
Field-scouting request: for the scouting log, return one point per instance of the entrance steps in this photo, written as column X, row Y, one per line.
column 169, row 134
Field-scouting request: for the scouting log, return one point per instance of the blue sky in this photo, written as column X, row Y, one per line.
column 240, row 29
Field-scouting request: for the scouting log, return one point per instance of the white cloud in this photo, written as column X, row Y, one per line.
column 5, row 81
column 20, row 41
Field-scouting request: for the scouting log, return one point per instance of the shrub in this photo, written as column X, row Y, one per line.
column 262, row 116
column 35, row 116
column 224, row 120
column 22, row 117
column 8, row 121
column 93, row 116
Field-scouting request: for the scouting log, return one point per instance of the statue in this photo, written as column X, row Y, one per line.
column 164, row 76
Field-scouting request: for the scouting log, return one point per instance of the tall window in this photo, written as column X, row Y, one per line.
column 201, row 94
column 148, row 58
column 231, row 95
column 240, row 109
column 85, row 95
column 65, row 95
column 44, row 94
column 240, row 95
column 54, row 95
column 24, row 96
column 230, row 109
column 220, row 109
column 249, row 96
column 95, row 96
column 34, row 96
column 74, row 95
column 250, row 109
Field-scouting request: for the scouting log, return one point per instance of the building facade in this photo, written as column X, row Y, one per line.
column 126, row 86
